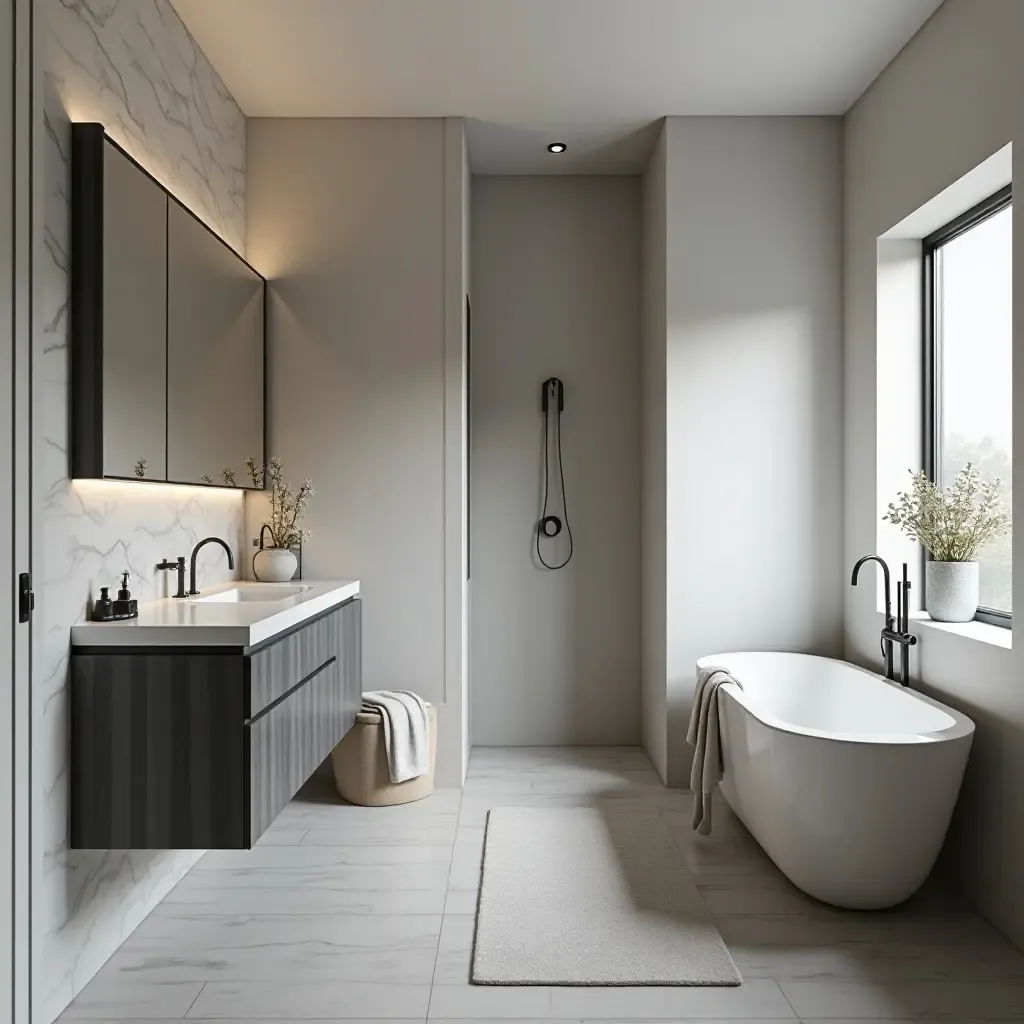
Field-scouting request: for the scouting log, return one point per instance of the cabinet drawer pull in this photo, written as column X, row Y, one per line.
column 287, row 693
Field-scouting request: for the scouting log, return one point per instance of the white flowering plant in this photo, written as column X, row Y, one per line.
column 954, row 524
column 287, row 504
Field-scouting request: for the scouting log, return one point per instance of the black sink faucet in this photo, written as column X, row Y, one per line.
column 893, row 632
column 195, row 552
column 179, row 565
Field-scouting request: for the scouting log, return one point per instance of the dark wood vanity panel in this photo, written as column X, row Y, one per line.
column 158, row 743
column 165, row 753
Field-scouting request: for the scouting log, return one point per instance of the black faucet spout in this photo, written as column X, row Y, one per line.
column 195, row 552
column 886, row 642
column 885, row 576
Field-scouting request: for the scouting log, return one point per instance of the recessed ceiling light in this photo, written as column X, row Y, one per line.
column 557, row 147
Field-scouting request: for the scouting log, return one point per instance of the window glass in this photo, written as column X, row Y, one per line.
column 974, row 345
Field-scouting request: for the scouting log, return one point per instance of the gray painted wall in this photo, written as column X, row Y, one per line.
column 652, row 496
column 753, row 395
column 346, row 218
column 950, row 100
column 555, row 656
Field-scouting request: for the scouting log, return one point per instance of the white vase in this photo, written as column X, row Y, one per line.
column 951, row 590
column 274, row 565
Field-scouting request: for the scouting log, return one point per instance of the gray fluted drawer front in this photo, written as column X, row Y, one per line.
column 285, row 663
column 289, row 741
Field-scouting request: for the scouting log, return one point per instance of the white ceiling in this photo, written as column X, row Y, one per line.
column 592, row 72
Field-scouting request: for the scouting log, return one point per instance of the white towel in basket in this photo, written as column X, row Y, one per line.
column 406, row 731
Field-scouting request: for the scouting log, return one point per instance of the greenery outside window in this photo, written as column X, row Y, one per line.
column 968, row 348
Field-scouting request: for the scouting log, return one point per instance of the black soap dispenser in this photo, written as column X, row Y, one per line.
column 103, row 607
column 126, row 606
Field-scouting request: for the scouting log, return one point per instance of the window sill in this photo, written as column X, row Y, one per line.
column 983, row 632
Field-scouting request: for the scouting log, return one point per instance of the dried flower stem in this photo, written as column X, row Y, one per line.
column 952, row 524
column 287, row 506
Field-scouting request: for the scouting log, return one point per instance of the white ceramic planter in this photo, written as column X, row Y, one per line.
column 951, row 590
column 274, row 565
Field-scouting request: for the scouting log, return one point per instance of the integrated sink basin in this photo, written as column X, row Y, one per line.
column 238, row 613
column 259, row 592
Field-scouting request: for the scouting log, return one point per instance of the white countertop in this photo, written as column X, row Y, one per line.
column 210, row 619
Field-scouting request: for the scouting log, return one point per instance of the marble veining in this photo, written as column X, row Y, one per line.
column 358, row 928
column 134, row 67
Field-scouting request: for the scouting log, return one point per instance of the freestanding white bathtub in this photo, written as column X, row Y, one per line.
column 847, row 781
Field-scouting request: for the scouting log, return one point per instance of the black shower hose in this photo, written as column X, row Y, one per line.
column 553, row 521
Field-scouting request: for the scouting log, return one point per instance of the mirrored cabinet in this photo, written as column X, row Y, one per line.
column 168, row 332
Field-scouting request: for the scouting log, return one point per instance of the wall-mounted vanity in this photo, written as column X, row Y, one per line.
column 193, row 725
column 168, row 332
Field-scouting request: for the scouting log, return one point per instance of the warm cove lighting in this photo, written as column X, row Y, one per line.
column 557, row 147
column 151, row 489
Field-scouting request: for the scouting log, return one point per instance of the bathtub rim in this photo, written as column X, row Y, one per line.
column 962, row 727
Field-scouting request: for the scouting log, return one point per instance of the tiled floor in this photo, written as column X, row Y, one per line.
column 348, row 913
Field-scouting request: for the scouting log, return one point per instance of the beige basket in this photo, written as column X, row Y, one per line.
column 361, row 765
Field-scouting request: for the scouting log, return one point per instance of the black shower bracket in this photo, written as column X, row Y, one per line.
column 552, row 387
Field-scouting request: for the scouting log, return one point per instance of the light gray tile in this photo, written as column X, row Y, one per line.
column 426, row 832
column 326, row 857
column 633, row 1020
column 301, row 899
column 384, row 868
column 282, row 837
column 876, row 1000
column 454, row 950
column 441, row 805
column 750, row 897
column 267, row 1000
column 857, row 927
column 110, row 998
column 755, row 999
column 752, row 1000
column 793, row 947
column 559, row 779
column 476, row 805
column 879, row 961
column 325, row 878
column 291, row 949
column 900, row 1020
column 467, row 860
column 461, row 902
column 510, row 759
column 723, row 853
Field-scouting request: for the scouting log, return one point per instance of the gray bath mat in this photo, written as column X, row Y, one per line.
column 591, row 896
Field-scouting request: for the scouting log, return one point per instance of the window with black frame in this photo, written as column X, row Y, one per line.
column 968, row 318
